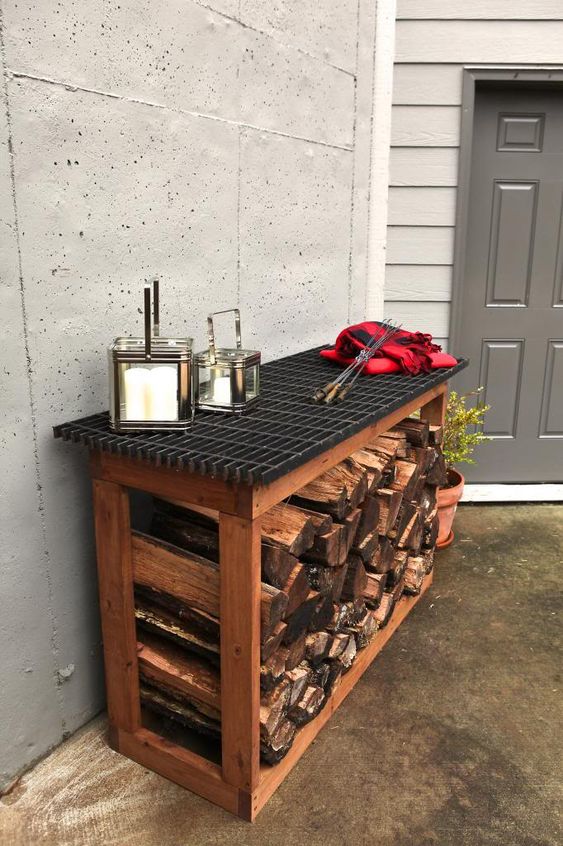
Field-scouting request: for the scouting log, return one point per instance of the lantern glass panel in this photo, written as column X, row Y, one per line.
column 252, row 382
column 148, row 391
column 215, row 385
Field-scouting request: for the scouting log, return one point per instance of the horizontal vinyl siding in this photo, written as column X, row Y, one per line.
column 431, row 85
column 411, row 206
column 479, row 9
column 512, row 42
column 434, row 40
column 420, row 244
column 425, row 126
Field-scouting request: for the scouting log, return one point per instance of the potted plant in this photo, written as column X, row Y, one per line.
column 462, row 433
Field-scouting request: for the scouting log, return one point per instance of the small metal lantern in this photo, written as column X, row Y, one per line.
column 151, row 378
column 226, row 379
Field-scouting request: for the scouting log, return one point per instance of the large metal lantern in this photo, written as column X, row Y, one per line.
column 226, row 379
column 151, row 378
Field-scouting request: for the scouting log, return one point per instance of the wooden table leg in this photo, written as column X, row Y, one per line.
column 239, row 545
column 435, row 410
column 117, row 605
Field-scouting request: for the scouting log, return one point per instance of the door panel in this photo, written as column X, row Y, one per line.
column 501, row 372
column 552, row 404
column 513, row 221
column 512, row 288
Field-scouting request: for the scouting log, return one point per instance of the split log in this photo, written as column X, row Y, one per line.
column 427, row 501
column 320, row 674
column 326, row 493
column 351, row 523
column 322, row 614
column 406, row 478
column 355, row 479
column 384, row 609
column 272, row 671
column 430, row 532
column 273, row 642
column 293, row 653
column 437, row 474
column 299, row 680
column 339, row 618
column 279, row 743
column 161, row 622
column 273, row 707
column 399, row 566
column 374, row 465
column 277, row 565
column 288, row 527
column 298, row 622
column 398, row 589
column 310, row 704
column 414, row 575
column 389, row 504
column 389, row 475
column 356, row 578
column 330, row 548
column 382, row 561
column 296, row 588
column 428, row 556
column 369, row 519
column 326, row 580
column 346, row 658
column 317, row 647
column 164, row 665
column 322, row 523
column 194, row 580
column 367, row 548
column 385, row 447
column 179, row 710
column 421, row 456
column 334, row 677
column 364, row 630
column 436, row 435
column 416, row 430
column 204, row 623
column 374, row 589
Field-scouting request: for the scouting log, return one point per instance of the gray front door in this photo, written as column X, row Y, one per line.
column 512, row 287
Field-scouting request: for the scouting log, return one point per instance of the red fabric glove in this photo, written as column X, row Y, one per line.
column 407, row 352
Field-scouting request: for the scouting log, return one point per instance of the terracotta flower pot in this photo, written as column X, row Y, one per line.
column 448, row 499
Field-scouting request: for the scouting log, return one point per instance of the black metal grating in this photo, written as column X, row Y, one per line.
column 284, row 430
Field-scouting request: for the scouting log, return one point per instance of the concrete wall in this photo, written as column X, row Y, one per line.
column 433, row 41
column 226, row 149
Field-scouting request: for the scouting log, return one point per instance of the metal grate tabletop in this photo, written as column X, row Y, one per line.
column 284, row 430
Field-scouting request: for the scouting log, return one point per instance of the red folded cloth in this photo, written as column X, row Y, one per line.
column 406, row 352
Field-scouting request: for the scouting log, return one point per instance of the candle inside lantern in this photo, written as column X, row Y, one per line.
column 135, row 382
column 162, row 394
column 222, row 390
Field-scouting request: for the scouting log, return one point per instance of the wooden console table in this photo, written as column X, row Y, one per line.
column 239, row 467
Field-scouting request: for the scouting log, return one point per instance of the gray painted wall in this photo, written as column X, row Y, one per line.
column 226, row 149
column 433, row 41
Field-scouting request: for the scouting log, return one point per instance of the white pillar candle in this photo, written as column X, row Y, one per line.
column 163, row 394
column 222, row 390
column 135, row 380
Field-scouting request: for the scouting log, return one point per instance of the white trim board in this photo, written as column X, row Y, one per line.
column 513, row 493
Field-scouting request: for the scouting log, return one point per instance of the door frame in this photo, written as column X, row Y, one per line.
column 473, row 74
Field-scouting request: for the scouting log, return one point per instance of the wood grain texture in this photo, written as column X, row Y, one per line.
column 421, row 282
column 163, row 663
column 178, row 485
column 240, row 650
column 435, row 410
column 422, row 206
column 512, row 42
column 480, row 9
column 117, row 607
column 420, row 244
column 424, row 166
column 431, row 85
column 425, row 126
column 425, row 317
column 179, row 765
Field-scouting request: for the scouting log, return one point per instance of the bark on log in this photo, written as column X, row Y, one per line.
column 278, row 744
column 298, row 622
column 194, row 580
column 364, row 630
column 382, row 561
column 179, row 710
column 374, row 589
column 307, row 708
column 272, row 671
column 416, row 431
column 322, row 614
column 317, row 647
column 414, row 575
column 293, row 653
column 299, row 681
column 273, row 707
column 158, row 621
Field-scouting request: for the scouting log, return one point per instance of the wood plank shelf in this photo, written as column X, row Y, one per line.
column 231, row 589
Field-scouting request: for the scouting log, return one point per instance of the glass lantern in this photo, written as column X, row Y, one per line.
column 226, row 379
column 151, row 378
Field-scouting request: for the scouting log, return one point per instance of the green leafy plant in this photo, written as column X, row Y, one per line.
column 463, row 428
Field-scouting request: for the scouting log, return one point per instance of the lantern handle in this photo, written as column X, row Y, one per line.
column 211, row 333
column 148, row 322
column 155, row 282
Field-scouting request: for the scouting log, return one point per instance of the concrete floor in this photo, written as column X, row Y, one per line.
column 452, row 738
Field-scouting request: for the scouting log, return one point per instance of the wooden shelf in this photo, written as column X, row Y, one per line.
column 240, row 784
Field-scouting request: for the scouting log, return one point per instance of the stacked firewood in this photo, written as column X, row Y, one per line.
column 336, row 558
